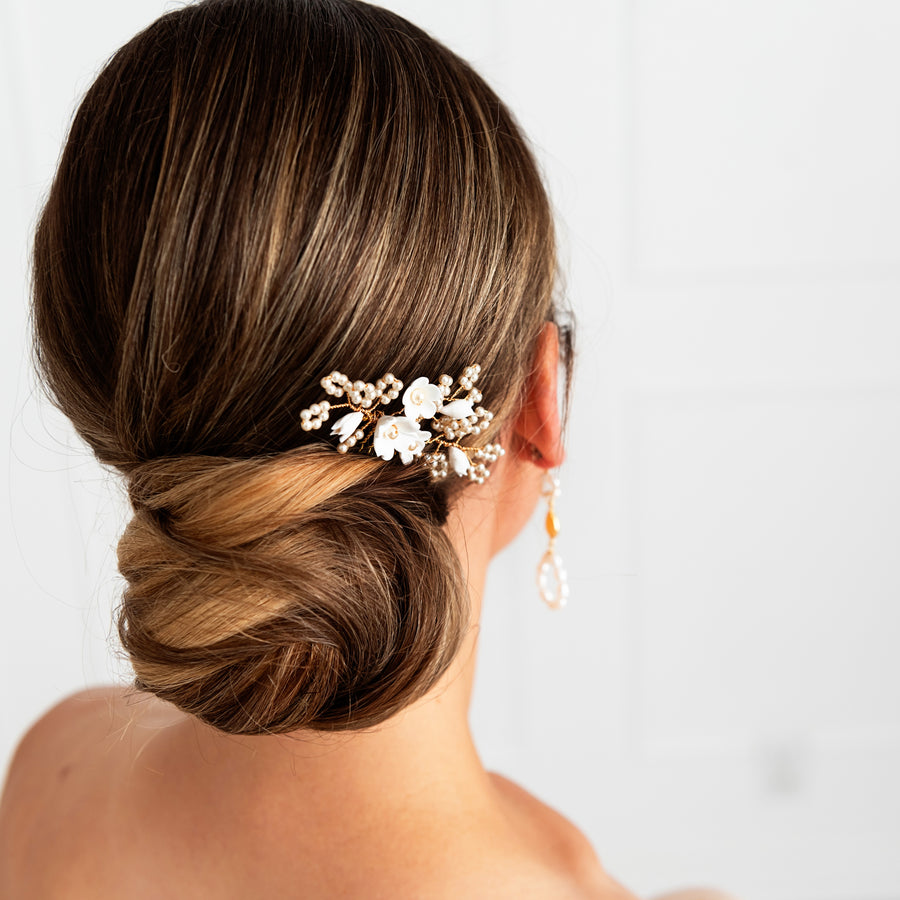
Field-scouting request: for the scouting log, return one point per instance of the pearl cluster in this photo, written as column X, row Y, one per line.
column 439, row 465
column 488, row 453
column 469, row 377
column 350, row 441
column 454, row 429
column 314, row 416
column 362, row 393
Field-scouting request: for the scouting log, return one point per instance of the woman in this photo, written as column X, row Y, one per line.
column 285, row 240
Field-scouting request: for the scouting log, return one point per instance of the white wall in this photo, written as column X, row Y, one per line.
column 720, row 702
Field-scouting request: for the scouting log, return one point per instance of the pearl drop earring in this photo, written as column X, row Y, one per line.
column 552, row 581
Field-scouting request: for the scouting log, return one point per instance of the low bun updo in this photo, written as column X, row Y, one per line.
column 254, row 193
column 302, row 590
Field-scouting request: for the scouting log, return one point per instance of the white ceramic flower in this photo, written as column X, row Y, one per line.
column 458, row 460
column 457, row 409
column 400, row 434
column 346, row 425
column 421, row 399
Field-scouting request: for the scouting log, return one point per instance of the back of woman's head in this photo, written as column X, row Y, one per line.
column 253, row 194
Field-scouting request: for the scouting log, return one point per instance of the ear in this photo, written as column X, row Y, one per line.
column 537, row 423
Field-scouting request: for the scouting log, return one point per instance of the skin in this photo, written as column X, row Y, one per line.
column 117, row 794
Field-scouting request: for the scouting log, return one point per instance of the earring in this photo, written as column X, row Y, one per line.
column 551, row 576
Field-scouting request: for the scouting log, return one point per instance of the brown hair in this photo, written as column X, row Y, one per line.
column 253, row 194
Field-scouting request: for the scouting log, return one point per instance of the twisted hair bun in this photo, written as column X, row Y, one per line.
column 254, row 194
column 306, row 590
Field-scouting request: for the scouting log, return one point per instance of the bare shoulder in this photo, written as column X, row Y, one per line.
column 569, row 854
column 574, row 854
column 555, row 827
column 50, row 781
column 53, row 738
column 79, row 721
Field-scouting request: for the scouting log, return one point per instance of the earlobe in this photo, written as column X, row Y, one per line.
column 537, row 426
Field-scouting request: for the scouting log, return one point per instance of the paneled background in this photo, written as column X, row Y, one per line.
column 720, row 702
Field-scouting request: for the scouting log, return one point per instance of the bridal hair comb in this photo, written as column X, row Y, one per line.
column 451, row 412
